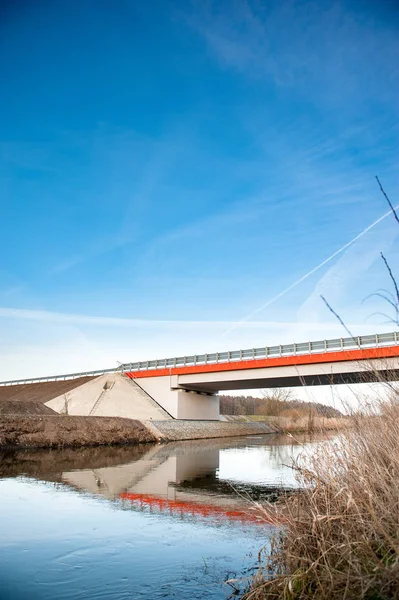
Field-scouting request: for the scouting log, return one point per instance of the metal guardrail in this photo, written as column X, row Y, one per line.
column 336, row 344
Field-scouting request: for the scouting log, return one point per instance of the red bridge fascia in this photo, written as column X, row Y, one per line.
column 280, row 361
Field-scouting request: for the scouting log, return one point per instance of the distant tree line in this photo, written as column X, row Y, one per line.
column 274, row 403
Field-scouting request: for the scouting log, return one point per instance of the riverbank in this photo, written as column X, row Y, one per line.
column 181, row 429
column 59, row 431
column 48, row 431
column 341, row 533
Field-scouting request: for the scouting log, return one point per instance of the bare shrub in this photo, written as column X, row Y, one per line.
column 291, row 413
column 278, row 394
column 65, row 408
column 341, row 533
column 318, row 424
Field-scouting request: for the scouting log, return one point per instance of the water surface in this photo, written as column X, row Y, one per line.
column 157, row 521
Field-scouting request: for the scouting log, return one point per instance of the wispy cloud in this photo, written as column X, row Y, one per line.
column 276, row 39
column 44, row 316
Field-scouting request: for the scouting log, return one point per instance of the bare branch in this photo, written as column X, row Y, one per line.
column 337, row 316
column 383, row 296
column 381, row 314
column 391, row 206
column 387, row 292
column 392, row 277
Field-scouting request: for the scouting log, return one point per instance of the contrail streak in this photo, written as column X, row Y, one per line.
column 319, row 266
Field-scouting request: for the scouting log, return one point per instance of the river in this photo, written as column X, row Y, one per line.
column 170, row 521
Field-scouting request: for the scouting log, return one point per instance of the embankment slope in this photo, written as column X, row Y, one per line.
column 46, row 431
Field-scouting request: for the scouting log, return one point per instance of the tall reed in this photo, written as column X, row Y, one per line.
column 341, row 534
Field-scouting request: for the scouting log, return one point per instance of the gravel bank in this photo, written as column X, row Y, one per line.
column 194, row 430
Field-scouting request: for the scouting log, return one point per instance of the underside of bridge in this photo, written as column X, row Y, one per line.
column 293, row 381
column 194, row 395
column 294, row 375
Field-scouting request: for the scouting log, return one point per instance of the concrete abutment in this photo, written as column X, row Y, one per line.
column 179, row 403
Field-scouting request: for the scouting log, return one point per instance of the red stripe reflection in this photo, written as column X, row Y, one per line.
column 187, row 507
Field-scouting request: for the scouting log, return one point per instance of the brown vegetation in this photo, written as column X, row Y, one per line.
column 279, row 408
column 309, row 423
column 25, row 407
column 275, row 403
column 341, row 538
column 17, row 431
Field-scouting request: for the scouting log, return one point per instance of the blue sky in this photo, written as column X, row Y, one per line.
column 167, row 168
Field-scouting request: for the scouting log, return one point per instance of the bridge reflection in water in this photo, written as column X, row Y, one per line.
column 216, row 479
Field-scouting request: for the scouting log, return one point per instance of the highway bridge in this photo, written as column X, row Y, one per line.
column 186, row 387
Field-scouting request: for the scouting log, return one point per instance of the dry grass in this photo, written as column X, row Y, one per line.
column 302, row 424
column 314, row 424
column 341, row 534
column 48, row 431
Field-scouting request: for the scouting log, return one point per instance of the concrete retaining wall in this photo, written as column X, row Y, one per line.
column 192, row 430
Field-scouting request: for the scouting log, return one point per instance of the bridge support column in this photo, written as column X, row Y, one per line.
column 179, row 403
